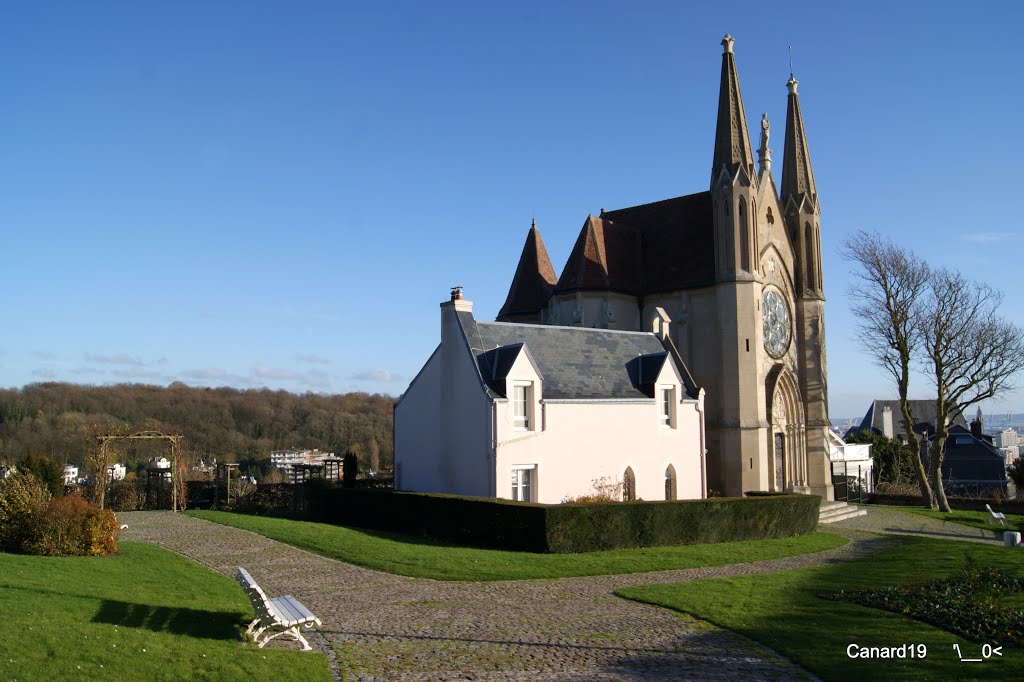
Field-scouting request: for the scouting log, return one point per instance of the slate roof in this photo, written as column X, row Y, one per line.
column 923, row 412
column 574, row 362
column 662, row 246
column 969, row 459
column 534, row 279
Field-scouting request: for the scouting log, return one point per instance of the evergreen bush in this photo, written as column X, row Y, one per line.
column 568, row 528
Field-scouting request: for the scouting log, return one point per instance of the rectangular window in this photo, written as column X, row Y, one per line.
column 522, row 404
column 523, row 483
column 666, row 405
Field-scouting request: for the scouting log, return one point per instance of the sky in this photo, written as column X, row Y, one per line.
column 281, row 194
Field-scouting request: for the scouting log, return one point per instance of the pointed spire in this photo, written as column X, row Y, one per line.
column 587, row 267
column 732, row 142
column 797, row 177
column 534, row 279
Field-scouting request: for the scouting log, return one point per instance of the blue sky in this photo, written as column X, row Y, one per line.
column 280, row 194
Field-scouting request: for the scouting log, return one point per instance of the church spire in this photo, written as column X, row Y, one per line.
column 732, row 142
column 532, row 284
column 797, row 177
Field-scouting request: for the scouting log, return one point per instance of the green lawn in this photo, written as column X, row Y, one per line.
column 784, row 612
column 146, row 614
column 974, row 519
column 421, row 558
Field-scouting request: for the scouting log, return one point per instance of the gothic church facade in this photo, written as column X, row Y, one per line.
column 736, row 270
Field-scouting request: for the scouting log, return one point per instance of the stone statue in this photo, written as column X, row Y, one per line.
column 764, row 131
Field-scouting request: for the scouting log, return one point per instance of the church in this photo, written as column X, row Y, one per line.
column 734, row 274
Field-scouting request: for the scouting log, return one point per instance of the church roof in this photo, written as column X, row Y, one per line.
column 574, row 362
column 663, row 246
column 534, row 279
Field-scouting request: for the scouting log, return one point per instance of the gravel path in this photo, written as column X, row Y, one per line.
column 881, row 520
column 378, row 626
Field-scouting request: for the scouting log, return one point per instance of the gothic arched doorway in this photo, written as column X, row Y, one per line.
column 786, row 416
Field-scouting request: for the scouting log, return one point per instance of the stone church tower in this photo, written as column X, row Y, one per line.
column 735, row 273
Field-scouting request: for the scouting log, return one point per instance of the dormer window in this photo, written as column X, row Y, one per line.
column 522, row 405
column 666, row 406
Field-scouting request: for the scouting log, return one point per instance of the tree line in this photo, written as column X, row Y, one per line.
column 60, row 421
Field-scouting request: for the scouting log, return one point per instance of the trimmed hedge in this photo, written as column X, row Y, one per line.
column 568, row 528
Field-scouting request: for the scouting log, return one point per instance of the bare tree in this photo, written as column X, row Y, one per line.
column 886, row 294
column 971, row 353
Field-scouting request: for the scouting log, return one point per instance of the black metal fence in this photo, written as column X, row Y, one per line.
column 852, row 483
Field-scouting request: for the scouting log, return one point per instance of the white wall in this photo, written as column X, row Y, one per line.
column 576, row 443
column 443, row 422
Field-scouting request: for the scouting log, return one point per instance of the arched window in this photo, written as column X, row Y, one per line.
column 744, row 234
column 810, row 267
column 670, row 483
column 628, row 485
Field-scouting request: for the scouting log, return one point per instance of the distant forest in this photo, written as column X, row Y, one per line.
column 60, row 421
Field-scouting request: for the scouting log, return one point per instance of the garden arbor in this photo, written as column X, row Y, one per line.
column 177, row 461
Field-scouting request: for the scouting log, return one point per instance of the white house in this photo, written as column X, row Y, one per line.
column 70, row 474
column 542, row 413
column 116, row 472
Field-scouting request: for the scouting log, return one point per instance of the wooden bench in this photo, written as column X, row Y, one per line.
column 993, row 517
column 275, row 617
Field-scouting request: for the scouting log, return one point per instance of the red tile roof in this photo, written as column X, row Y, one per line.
column 534, row 279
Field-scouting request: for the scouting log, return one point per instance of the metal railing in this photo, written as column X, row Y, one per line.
column 852, row 484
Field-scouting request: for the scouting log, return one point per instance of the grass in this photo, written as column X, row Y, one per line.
column 974, row 519
column 145, row 614
column 423, row 558
column 786, row 612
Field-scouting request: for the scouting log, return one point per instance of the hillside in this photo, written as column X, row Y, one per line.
column 60, row 420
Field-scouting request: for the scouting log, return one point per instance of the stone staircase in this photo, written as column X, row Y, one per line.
column 830, row 512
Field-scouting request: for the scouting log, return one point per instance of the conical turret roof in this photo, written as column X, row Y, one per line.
column 534, row 279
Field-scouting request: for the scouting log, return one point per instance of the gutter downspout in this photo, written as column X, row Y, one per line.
column 703, row 447
column 492, row 467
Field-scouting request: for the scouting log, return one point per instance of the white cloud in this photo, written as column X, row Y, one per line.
column 43, row 355
column 313, row 359
column 44, row 373
column 116, row 359
column 376, row 374
column 987, row 237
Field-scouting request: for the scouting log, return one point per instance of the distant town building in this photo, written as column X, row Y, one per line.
column 1007, row 438
column 116, row 472
column 70, row 474
column 288, row 460
column 160, row 463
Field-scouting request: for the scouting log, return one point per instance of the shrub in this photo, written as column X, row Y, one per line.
column 70, row 526
column 47, row 471
column 22, row 498
column 569, row 528
column 126, row 496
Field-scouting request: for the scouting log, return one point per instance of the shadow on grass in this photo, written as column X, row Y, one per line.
column 788, row 613
column 191, row 622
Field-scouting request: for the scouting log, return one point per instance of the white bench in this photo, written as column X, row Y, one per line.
column 275, row 617
column 993, row 517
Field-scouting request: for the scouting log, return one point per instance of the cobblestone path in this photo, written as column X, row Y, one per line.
column 378, row 626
